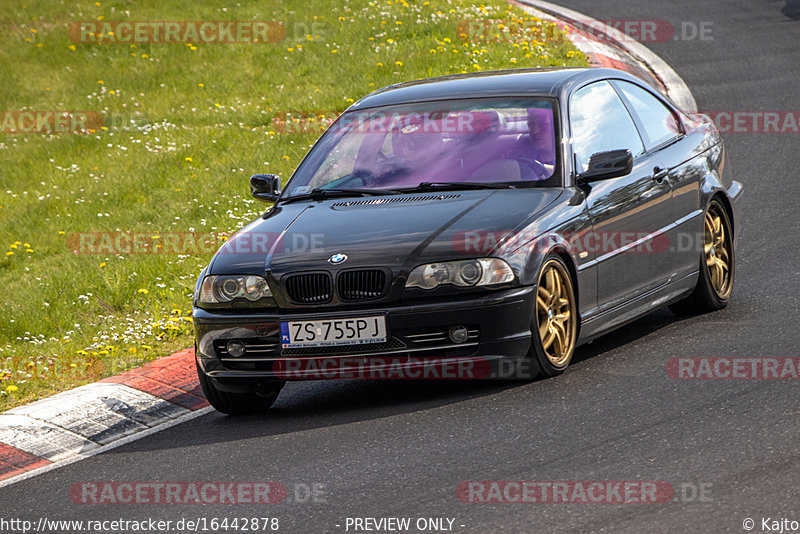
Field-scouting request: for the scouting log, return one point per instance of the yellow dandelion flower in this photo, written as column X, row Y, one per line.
column 398, row 63
column 102, row 265
column 142, row 291
column 72, row 47
column 11, row 389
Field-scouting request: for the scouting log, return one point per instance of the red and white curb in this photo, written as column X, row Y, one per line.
column 610, row 48
column 88, row 419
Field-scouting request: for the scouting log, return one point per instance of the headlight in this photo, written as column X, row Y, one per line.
column 222, row 289
column 481, row 272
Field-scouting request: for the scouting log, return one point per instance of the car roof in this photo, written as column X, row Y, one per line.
column 552, row 82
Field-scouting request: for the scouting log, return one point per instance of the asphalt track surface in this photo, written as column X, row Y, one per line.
column 400, row 449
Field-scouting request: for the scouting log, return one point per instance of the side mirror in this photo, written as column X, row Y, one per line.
column 605, row 165
column 266, row 187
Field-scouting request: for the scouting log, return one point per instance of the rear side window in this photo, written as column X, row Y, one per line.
column 600, row 122
column 658, row 121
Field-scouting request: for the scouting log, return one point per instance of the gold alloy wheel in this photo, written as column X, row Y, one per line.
column 555, row 311
column 718, row 253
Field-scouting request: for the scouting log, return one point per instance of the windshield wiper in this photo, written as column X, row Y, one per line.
column 439, row 186
column 319, row 193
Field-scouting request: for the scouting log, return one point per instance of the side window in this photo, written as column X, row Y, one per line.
column 658, row 121
column 600, row 122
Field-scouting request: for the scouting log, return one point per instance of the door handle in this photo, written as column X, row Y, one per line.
column 660, row 174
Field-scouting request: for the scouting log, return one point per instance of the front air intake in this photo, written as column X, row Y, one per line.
column 312, row 288
column 361, row 285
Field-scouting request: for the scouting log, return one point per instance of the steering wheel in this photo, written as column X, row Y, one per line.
column 535, row 165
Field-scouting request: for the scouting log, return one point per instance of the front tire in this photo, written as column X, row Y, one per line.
column 237, row 403
column 715, row 283
column 554, row 326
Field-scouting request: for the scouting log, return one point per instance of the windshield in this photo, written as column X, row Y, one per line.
column 487, row 141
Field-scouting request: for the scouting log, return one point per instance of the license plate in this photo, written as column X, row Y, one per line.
column 333, row 332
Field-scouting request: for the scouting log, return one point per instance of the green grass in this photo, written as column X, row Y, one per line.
column 185, row 126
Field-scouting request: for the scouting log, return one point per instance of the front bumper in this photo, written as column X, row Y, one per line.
column 499, row 325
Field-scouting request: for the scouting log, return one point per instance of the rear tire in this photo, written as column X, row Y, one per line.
column 554, row 322
column 237, row 403
column 717, row 265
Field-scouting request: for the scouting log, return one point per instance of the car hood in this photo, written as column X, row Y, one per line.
column 398, row 231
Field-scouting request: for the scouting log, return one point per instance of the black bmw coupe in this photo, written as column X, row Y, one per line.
column 469, row 226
